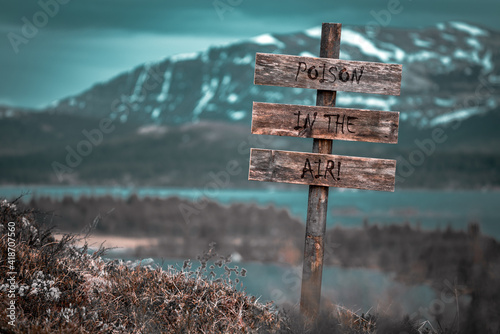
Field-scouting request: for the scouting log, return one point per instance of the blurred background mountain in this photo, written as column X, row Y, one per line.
column 172, row 122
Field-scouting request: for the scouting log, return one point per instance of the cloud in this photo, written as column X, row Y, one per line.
column 128, row 15
column 92, row 40
column 56, row 64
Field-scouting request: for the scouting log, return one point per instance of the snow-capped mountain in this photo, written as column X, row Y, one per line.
column 449, row 72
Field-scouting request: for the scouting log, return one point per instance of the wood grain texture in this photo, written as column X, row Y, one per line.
column 317, row 203
column 293, row 167
column 327, row 74
column 325, row 122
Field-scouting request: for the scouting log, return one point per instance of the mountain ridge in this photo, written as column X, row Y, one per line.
column 443, row 65
column 176, row 121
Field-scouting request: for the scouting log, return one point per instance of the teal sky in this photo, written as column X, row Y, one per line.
column 81, row 42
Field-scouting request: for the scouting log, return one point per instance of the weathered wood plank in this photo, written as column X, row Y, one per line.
column 322, row 170
column 325, row 122
column 327, row 74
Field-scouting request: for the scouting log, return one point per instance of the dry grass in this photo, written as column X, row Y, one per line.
column 61, row 288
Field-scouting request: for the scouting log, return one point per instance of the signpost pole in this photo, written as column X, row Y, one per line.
column 318, row 195
column 328, row 74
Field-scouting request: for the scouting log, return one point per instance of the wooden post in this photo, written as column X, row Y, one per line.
column 318, row 195
column 327, row 74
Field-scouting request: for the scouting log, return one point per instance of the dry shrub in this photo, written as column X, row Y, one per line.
column 60, row 288
column 64, row 289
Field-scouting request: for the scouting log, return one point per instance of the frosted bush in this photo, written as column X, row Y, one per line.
column 23, row 290
column 43, row 285
column 98, row 283
column 67, row 313
column 33, row 230
column 7, row 204
column 53, row 294
column 26, row 222
column 40, row 275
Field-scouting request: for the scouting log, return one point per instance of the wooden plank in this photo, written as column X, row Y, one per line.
column 327, row 74
column 322, row 170
column 325, row 122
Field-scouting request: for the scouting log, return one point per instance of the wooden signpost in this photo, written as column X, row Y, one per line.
column 322, row 170
column 327, row 74
column 323, row 122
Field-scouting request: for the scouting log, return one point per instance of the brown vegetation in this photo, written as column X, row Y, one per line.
column 59, row 288
column 461, row 266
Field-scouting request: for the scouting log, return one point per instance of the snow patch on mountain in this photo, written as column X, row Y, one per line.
column 418, row 41
column 137, row 95
column 487, row 62
column 422, row 55
column 455, row 116
column 167, row 78
column 232, row 98
column 474, row 43
column 472, row 30
column 184, row 56
column 267, row 39
column 247, row 59
column 314, row 32
column 306, row 54
column 208, row 92
column 398, row 53
column 156, row 113
column 380, row 103
column 237, row 115
column 356, row 39
column 444, row 102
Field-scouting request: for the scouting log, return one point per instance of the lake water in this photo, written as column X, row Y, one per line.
column 430, row 209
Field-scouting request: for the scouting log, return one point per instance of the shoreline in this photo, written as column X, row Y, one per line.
column 113, row 242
